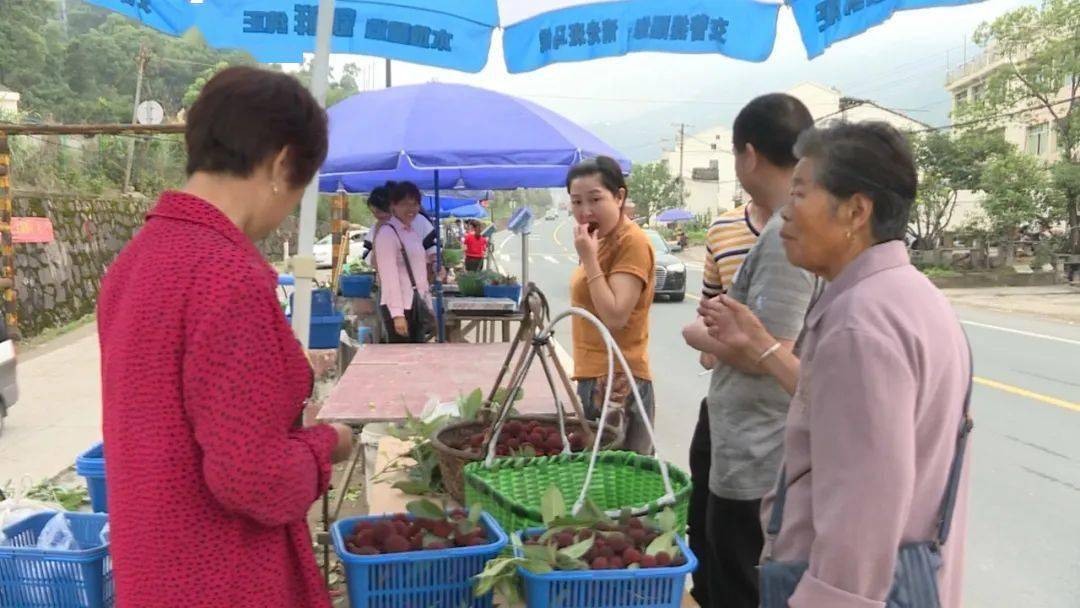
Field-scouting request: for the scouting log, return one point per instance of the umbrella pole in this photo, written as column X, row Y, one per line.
column 304, row 263
column 440, row 321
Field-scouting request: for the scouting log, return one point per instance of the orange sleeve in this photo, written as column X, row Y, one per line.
column 634, row 257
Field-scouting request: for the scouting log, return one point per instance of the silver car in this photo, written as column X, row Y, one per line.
column 9, row 388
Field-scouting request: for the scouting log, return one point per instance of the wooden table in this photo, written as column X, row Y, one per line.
column 384, row 380
column 458, row 324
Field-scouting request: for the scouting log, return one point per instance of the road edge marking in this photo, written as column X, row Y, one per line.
column 1021, row 332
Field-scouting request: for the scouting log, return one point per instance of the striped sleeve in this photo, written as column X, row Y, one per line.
column 728, row 241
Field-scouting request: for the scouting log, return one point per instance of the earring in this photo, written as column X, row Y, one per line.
column 274, row 188
column 848, row 232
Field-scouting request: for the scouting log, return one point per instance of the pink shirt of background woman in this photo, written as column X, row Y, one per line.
column 393, row 276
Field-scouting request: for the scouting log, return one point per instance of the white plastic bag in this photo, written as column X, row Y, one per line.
column 17, row 507
column 57, row 535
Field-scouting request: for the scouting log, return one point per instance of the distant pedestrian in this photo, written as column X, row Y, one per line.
column 476, row 245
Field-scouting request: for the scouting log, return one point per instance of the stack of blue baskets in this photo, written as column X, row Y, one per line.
column 325, row 321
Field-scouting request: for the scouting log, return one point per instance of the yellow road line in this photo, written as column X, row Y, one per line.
column 693, row 297
column 1020, row 392
column 555, row 235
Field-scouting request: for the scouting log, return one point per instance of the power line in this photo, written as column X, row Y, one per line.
column 983, row 119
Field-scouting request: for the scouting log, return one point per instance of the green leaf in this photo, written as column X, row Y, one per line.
column 470, row 406
column 544, row 553
column 666, row 520
column 425, row 509
column 565, row 562
column 579, row 549
column 590, row 512
column 416, row 488
column 537, row 566
column 552, row 504
column 662, row 543
column 475, row 513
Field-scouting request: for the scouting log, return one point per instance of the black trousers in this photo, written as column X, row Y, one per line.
column 697, row 516
column 734, row 531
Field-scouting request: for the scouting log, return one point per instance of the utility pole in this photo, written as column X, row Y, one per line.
column 682, row 141
column 388, row 79
column 64, row 17
column 142, row 59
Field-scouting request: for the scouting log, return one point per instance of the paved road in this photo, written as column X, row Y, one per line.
column 1024, row 519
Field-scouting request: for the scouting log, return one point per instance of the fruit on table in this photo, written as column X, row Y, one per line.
column 614, row 546
column 520, row 437
column 401, row 533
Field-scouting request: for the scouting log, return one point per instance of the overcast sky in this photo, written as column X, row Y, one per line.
column 632, row 101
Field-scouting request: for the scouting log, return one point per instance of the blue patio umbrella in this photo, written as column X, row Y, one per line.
column 469, row 210
column 675, row 215
column 452, row 137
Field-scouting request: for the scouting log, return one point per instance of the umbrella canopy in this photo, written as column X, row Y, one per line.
column 469, row 210
column 418, row 31
column 474, row 138
column 675, row 215
column 741, row 29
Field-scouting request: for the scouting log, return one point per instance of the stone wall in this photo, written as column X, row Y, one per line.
column 57, row 283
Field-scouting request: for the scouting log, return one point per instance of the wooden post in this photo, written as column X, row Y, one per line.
column 7, row 248
column 339, row 227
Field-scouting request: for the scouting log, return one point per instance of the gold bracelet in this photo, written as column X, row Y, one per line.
column 594, row 277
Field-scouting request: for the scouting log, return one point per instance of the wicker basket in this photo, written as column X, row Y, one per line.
column 452, row 461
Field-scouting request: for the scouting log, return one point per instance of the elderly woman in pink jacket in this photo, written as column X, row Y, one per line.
column 874, row 476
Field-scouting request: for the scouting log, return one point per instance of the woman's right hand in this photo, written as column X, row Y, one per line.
column 401, row 327
column 344, row 443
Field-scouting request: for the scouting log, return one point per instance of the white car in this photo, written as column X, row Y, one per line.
column 324, row 248
column 9, row 388
column 552, row 214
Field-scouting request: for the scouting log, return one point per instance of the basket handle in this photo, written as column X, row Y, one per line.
column 614, row 352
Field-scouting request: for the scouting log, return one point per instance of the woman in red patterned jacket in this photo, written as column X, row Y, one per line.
column 210, row 474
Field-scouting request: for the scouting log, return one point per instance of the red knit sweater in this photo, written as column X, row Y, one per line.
column 209, row 477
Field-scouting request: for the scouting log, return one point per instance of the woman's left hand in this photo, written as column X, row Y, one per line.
column 587, row 244
column 734, row 324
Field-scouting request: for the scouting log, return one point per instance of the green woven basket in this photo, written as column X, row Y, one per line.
column 510, row 489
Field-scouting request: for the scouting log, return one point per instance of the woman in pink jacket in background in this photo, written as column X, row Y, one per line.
column 873, row 448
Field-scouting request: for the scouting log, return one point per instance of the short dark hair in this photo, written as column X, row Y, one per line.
column 607, row 168
column 379, row 198
column 245, row 115
column 402, row 190
column 772, row 123
column 872, row 158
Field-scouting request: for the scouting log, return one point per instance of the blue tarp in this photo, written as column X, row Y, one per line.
column 475, row 138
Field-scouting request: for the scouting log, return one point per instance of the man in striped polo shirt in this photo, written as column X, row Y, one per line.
column 737, row 445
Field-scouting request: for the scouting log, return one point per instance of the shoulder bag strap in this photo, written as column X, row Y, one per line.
column 952, row 486
column 405, row 254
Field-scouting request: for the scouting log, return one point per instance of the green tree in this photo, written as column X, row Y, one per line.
column 1040, row 79
column 1017, row 193
column 652, row 188
column 947, row 164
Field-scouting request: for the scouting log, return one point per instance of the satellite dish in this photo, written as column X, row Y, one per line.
column 149, row 113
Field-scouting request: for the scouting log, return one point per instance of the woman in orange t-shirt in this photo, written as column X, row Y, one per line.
column 615, row 282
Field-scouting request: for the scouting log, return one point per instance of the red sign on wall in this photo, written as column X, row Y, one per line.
column 31, row 230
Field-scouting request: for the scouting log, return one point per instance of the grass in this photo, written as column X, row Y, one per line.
column 55, row 332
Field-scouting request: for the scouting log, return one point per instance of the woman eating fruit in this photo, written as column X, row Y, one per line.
column 211, row 476
column 614, row 282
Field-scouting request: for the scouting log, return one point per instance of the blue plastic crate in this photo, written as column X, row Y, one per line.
column 40, row 578
column 512, row 292
column 91, row 465
column 356, row 285
column 422, row 579
column 325, row 331
column 641, row 588
column 322, row 303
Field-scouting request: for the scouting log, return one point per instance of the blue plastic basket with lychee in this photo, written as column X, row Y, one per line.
column 431, row 578
column 655, row 587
